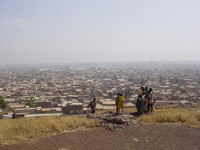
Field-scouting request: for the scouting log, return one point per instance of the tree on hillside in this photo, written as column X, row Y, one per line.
column 3, row 103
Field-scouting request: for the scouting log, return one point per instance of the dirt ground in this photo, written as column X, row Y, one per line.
column 133, row 137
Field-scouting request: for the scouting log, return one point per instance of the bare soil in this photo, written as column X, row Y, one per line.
column 133, row 137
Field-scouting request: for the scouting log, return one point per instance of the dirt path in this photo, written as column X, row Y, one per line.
column 134, row 137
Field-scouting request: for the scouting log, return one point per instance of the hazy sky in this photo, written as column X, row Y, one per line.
column 62, row 31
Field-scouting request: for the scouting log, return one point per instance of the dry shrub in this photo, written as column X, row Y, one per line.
column 187, row 116
column 198, row 116
column 28, row 128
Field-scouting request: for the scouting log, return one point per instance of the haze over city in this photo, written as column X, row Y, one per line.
column 48, row 31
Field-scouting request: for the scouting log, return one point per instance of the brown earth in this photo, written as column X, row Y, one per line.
column 133, row 137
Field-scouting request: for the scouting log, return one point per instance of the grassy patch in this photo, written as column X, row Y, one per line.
column 126, row 110
column 31, row 128
column 3, row 113
column 187, row 116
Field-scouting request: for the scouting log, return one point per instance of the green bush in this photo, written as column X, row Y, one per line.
column 31, row 103
column 3, row 103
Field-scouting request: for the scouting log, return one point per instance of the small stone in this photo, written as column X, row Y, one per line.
column 136, row 140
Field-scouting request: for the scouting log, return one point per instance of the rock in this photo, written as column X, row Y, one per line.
column 129, row 123
column 136, row 140
column 108, row 119
column 111, row 127
column 118, row 126
column 112, row 121
column 119, row 120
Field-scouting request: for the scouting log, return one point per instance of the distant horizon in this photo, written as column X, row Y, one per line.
column 114, row 62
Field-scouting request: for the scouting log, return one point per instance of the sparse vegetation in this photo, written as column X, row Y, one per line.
column 14, row 130
column 3, row 103
column 186, row 116
column 110, row 94
column 31, row 128
column 181, row 89
column 57, row 98
column 131, row 79
column 31, row 103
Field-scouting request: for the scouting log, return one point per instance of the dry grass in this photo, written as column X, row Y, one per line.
column 32, row 128
column 14, row 130
column 186, row 116
column 128, row 110
column 3, row 113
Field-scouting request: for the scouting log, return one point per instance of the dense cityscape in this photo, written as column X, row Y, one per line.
column 67, row 89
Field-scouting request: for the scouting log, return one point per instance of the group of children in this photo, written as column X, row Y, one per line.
column 145, row 102
column 119, row 102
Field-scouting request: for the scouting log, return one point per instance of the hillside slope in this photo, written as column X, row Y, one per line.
column 137, row 137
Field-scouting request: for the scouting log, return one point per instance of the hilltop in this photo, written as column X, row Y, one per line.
column 164, row 129
column 137, row 137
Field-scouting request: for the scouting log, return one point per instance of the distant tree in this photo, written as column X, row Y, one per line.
column 115, row 77
column 3, row 103
column 181, row 89
column 110, row 94
column 142, row 81
column 128, row 92
column 178, row 81
column 31, row 103
column 161, row 79
column 92, row 92
column 131, row 79
column 57, row 98
column 18, row 93
column 83, row 86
